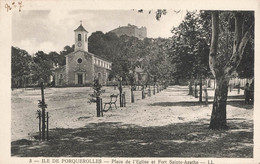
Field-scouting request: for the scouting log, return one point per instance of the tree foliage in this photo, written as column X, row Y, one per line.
column 28, row 68
column 127, row 53
column 190, row 48
column 21, row 64
column 42, row 66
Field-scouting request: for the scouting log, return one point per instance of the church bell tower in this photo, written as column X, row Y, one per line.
column 81, row 38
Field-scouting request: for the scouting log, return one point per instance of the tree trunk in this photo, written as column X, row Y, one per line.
column 149, row 91
column 238, row 90
column 43, row 112
column 218, row 116
column 98, row 106
column 196, row 90
column 190, row 87
column 200, row 98
column 177, row 82
column 132, row 94
column 209, row 83
column 206, row 96
column 222, row 74
column 120, row 93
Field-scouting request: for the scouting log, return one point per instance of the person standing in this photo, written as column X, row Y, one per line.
column 251, row 88
column 247, row 93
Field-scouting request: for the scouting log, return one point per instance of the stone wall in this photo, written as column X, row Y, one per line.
column 102, row 74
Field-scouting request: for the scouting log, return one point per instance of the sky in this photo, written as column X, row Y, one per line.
column 52, row 30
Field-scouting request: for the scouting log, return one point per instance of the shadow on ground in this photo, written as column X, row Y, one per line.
column 114, row 139
column 179, row 103
column 235, row 101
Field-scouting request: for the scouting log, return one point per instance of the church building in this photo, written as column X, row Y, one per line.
column 82, row 67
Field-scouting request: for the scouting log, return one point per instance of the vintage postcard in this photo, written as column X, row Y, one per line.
column 129, row 82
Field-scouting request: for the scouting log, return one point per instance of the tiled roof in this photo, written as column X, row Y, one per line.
column 81, row 28
column 97, row 56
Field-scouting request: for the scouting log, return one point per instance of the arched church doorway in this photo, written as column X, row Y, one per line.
column 80, row 78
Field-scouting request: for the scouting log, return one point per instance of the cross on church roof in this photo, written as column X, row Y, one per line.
column 81, row 28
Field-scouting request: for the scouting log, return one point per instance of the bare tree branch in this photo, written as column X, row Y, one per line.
column 240, row 43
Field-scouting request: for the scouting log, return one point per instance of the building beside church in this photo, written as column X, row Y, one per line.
column 131, row 30
column 82, row 66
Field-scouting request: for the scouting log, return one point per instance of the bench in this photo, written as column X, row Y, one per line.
column 113, row 99
column 146, row 92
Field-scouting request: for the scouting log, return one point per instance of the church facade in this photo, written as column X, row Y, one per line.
column 82, row 67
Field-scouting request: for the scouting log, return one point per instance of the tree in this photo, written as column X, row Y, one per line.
column 223, row 62
column 66, row 50
column 56, row 58
column 190, row 48
column 21, row 66
column 223, row 70
column 246, row 65
column 42, row 66
column 126, row 53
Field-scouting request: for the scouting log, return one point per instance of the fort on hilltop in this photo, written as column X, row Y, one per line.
column 131, row 30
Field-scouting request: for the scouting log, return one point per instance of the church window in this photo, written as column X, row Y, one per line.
column 98, row 62
column 79, row 60
column 95, row 61
column 86, row 37
column 101, row 64
column 79, row 37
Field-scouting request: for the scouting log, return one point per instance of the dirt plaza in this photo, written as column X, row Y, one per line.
column 168, row 124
